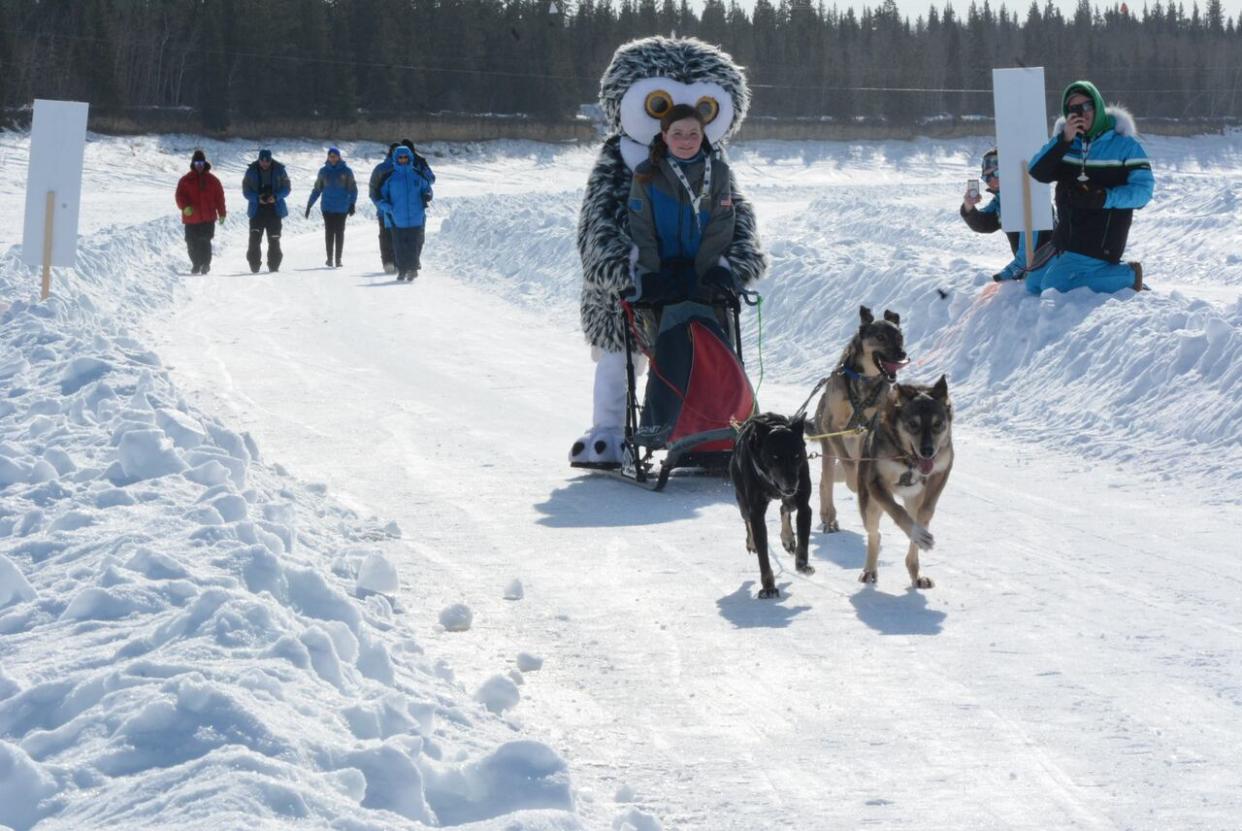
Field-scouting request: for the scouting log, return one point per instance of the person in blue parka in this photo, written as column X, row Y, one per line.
column 336, row 183
column 1102, row 176
column 987, row 220
column 265, row 186
column 405, row 212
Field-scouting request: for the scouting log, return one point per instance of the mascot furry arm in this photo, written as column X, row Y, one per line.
column 654, row 69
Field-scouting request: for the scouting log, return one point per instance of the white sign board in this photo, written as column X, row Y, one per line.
column 1021, row 130
column 57, row 145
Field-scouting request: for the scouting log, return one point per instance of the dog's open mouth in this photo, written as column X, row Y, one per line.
column 888, row 367
column 924, row 465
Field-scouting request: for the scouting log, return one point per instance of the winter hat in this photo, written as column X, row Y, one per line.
column 265, row 154
column 1103, row 121
column 332, row 151
column 199, row 156
column 990, row 163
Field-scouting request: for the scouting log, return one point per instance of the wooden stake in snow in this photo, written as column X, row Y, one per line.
column 1024, row 174
column 48, row 229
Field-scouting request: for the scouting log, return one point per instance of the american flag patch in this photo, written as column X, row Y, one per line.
column 727, row 202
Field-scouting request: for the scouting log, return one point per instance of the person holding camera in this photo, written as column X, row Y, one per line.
column 1102, row 176
column 265, row 186
column 987, row 220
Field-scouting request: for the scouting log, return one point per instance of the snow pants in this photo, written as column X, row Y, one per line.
column 407, row 245
column 198, row 237
column 1069, row 271
column 265, row 221
column 385, row 242
column 334, row 235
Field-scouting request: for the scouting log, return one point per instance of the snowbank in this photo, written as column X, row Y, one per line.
column 185, row 640
column 1152, row 382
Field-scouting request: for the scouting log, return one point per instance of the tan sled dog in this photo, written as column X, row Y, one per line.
column 908, row 453
column 860, row 384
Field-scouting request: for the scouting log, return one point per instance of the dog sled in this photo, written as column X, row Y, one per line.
column 696, row 389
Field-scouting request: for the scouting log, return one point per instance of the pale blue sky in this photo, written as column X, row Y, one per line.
column 914, row 8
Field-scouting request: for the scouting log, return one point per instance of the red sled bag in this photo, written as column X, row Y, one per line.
column 696, row 383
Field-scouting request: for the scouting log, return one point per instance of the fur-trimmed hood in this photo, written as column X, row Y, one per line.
column 1122, row 119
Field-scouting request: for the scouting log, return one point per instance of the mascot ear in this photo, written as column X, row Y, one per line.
column 865, row 314
column 892, row 317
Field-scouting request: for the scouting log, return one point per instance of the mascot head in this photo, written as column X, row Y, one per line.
column 648, row 76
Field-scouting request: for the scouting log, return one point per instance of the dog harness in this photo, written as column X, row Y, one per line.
column 856, row 401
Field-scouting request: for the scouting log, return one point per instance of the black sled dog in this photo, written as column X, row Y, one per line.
column 769, row 462
column 908, row 453
column 860, row 385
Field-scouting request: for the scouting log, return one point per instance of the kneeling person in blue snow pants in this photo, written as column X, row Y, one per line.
column 1102, row 176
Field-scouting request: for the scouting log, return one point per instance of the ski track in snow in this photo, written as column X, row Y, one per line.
column 1076, row 666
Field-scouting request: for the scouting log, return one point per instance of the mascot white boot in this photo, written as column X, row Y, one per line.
column 645, row 78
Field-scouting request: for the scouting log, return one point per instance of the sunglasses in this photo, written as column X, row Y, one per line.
column 990, row 173
column 199, row 163
column 1081, row 108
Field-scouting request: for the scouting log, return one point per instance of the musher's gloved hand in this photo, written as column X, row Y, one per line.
column 188, row 210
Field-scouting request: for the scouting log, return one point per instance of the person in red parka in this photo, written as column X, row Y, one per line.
column 201, row 200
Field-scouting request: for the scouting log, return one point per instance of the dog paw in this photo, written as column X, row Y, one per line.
column 868, row 577
column 790, row 544
column 769, row 592
column 804, row 568
column 921, row 537
column 830, row 526
column 924, row 583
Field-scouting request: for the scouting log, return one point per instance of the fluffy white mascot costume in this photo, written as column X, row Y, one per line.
column 645, row 78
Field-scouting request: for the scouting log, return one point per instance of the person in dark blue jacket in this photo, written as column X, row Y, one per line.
column 1102, row 177
column 405, row 211
column 987, row 220
column 265, row 186
column 379, row 175
column 336, row 183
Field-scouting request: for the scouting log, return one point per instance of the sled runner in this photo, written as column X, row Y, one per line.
column 696, row 389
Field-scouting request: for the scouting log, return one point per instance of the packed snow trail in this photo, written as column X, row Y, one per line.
column 1076, row 666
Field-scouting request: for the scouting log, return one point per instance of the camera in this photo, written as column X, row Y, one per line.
column 972, row 188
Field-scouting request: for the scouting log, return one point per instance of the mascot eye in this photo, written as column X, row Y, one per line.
column 708, row 108
column 658, row 103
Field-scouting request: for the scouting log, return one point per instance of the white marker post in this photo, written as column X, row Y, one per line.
column 54, row 186
column 1021, row 130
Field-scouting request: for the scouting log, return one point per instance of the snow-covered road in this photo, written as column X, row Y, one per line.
column 1077, row 665
column 203, row 480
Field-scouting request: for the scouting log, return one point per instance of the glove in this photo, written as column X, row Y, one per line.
column 351, row 210
column 720, row 277
column 1089, row 197
column 188, row 210
column 307, row 214
column 222, row 215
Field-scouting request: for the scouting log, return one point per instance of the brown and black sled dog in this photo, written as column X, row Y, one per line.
column 769, row 463
column 861, row 383
column 907, row 454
